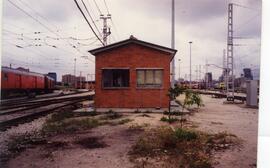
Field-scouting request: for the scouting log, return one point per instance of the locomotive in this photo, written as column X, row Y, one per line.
column 22, row 81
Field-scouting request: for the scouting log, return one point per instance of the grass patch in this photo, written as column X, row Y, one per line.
column 59, row 116
column 124, row 121
column 84, row 114
column 19, row 143
column 111, row 115
column 175, row 113
column 69, row 126
column 187, row 147
column 169, row 120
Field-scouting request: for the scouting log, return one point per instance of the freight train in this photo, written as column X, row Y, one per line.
column 22, row 81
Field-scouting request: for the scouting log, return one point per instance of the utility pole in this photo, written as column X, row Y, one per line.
column 173, row 45
column 200, row 76
column 197, row 73
column 190, row 64
column 80, row 79
column 230, row 68
column 106, row 31
column 206, row 76
column 75, row 72
column 179, row 69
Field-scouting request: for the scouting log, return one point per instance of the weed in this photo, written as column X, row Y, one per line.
column 185, row 135
column 59, row 116
column 124, row 121
column 169, row 120
column 69, row 126
column 83, row 114
column 110, row 115
column 192, row 148
column 176, row 113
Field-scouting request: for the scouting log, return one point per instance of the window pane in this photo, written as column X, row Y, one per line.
column 158, row 77
column 115, row 77
column 149, row 77
column 140, row 77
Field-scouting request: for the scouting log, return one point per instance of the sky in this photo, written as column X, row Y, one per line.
column 53, row 33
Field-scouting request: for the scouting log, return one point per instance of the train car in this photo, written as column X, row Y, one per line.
column 14, row 81
column 49, row 84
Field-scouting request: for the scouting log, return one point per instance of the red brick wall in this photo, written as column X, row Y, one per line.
column 132, row 56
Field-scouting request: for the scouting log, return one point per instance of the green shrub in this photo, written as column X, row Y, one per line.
column 169, row 120
column 185, row 135
column 70, row 126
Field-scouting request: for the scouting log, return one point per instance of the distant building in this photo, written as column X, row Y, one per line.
column 68, row 79
column 248, row 73
column 53, row 75
column 208, row 79
column 72, row 80
column 80, row 78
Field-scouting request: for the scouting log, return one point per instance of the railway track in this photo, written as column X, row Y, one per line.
column 18, row 116
column 33, row 103
column 13, row 102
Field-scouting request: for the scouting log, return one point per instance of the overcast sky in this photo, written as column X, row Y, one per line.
column 204, row 22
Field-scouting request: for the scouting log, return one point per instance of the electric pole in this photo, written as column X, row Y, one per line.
column 206, row 74
column 190, row 64
column 173, row 45
column 106, row 31
column 75, row 72
column 179, row 70
column 230, row 68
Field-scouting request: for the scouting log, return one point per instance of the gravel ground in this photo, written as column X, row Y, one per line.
column 30, row 127
column 213, row 117
column 237, row 119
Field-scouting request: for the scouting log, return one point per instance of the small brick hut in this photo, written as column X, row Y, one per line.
column 132, row 74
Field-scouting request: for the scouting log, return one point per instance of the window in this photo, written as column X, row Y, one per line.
column 115, row 78
column 149, row 77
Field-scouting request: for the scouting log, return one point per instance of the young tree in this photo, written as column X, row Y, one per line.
column 173, row 93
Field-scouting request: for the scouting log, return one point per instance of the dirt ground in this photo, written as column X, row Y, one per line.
column 237, row 119
column 108, row 146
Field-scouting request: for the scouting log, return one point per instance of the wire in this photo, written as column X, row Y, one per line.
column 88, row 21
column 49, row 29
column 97, row 7
column 246, row 7
column 37, row 13
column 242, row 25
column 90, row 17
column 106, row 7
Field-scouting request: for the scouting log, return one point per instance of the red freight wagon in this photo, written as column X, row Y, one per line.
column 21, row 81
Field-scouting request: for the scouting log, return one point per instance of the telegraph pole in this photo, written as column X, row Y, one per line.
column 106, row 31
column 173, row 45
column 75, row 72
column 190, row 64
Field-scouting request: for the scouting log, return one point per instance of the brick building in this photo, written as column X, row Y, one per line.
column 132, row 74
column 68, row 79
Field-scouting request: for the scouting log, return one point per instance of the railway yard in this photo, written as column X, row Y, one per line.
column 31, row 135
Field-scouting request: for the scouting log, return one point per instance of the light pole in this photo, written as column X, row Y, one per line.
column 190, row 64
column 179, row 60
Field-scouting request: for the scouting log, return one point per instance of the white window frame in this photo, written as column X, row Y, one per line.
column 150, row 86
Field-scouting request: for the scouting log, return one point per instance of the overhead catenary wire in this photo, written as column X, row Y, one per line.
column 97, row 7
column 106, row 6
column 42, row 24
column 78, row 6
column 91, row 17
